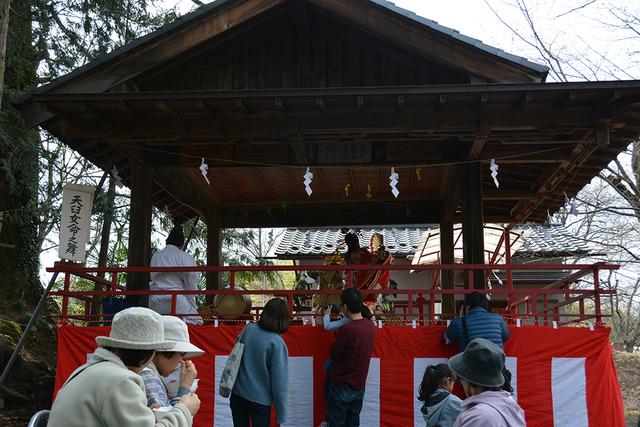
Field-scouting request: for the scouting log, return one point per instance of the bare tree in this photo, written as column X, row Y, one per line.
column 606, row 213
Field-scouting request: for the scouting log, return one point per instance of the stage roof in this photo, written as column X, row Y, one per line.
column 263, row 89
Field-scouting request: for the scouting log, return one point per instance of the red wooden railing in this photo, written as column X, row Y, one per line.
column 523, row 304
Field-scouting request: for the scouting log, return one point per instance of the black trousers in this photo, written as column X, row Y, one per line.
column 249, row 414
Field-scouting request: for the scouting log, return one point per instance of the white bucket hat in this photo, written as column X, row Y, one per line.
column 136, row 328
column 176, row 332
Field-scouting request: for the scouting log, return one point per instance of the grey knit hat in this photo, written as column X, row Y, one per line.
column 136, row 328
column 481, row 363
column 177, row 332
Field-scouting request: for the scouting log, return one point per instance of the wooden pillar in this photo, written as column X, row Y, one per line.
column 140, row 229
column 447, row 257
column 214, row 240
column 473, row 221
column 449, row 195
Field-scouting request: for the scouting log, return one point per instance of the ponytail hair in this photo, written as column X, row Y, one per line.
column 433, row 379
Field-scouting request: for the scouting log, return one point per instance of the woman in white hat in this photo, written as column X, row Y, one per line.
column 108, row 391
column 164, row 364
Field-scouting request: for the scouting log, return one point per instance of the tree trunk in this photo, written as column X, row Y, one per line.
column 104, row 243
column 4, row 27
column 19, row 283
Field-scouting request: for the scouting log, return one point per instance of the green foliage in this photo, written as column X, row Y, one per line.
column 18, row 171
column 70, row 33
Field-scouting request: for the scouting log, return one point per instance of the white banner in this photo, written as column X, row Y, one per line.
column 75, row 221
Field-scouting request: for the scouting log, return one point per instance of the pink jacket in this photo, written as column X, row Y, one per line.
column 490, row 409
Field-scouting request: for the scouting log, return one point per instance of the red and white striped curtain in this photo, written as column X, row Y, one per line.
column 562, row 377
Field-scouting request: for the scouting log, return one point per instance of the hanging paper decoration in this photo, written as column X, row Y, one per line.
column 116, row 176
column 571, row 204
column 243, row 186
column 494, row 172
column 369, row 195
column 393, row 182
column 573, row 209
column 204, row 170
column 347, row 188
column 497, row 278
column 419, row 173
column 307, row 239
column 308, row 177
column 547, row 231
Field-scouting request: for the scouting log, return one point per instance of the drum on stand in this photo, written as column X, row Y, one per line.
column 231, row 306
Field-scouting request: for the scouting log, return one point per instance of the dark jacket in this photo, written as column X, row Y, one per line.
column 480, row 324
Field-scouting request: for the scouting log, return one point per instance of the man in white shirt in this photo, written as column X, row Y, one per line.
column 173, row 256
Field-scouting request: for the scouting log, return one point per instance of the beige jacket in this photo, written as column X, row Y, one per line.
column 106, row 394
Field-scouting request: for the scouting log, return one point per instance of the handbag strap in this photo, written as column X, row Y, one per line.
column 243, row 334
column 79, row 372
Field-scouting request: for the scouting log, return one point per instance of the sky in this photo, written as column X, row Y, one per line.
column 584, row 34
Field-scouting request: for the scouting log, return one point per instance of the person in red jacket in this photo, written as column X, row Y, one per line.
column 351, row 354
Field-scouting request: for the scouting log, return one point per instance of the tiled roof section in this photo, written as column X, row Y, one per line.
column 461, row 37
column 403, row 241
column 311, row 242
column 551, row 240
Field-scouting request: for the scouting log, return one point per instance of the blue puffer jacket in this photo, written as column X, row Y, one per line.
column 480, row 324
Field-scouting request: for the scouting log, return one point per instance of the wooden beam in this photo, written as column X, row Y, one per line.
column 602, row 134
column 263, row 126
column 279, row 103
column 483, row 101
column 320, row 104
column 242, row 105
column 525, row 100
column 337, row 215
column 300, row 152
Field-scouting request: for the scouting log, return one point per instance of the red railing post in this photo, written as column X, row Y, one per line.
column 174, row 298
column 519, row 307
column 290, row 302
column 596, row 288
column 114, row 281
column 410, row 305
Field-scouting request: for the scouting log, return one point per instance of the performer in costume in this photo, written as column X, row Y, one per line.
column 368, row 279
